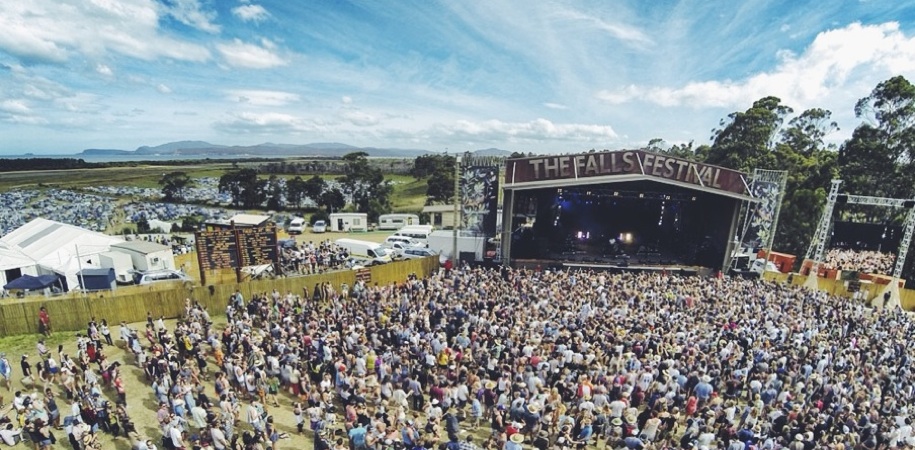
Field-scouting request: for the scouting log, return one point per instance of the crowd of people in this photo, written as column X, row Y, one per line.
column 311, row 258
column 511, row 359
column 864, row 261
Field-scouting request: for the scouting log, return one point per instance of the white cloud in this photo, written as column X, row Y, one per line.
column 346, row 99
column 53, row 31
column 360, row 118
column 618, row 30
column 262, row 98
column 536, row 130
column 833, row 61
column 103, row 70
column 251, row 13
column 15, row 107
column 249, row 56
column 552, row 105
column 263, row 123
column 192, row 14
column 163, row 89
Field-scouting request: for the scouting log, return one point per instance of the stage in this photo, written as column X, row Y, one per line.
column 628, row 212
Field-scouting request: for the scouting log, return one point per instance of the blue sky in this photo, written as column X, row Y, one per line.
column 543, row 76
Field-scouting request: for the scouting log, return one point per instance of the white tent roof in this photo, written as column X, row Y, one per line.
column 12, row 258
column 55, row 245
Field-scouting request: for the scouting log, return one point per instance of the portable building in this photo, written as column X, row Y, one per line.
column 349, row 222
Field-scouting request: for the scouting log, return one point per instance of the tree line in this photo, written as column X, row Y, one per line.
column 361, row 183
column 877, row 160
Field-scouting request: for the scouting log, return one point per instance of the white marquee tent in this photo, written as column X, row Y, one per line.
column 44, row 246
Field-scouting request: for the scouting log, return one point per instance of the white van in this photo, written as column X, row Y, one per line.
column 320, row 226
column 296, row 226
column 365, row 250
column 419, row 233
column 397, row 221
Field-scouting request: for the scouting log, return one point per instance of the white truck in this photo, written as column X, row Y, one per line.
column 442, row 242
column 371, row 252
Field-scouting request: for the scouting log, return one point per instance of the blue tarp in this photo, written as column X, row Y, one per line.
column 96, row 279
column 32, row 283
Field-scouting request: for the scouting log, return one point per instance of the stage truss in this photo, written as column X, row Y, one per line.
column 761, row 218
column 889, row 298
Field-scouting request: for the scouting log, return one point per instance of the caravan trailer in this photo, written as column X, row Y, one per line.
column 349, row 222
column 397, row 221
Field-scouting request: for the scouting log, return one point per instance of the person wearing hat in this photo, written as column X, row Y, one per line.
column 514, row 442
column 585, row 433
column 321, row 442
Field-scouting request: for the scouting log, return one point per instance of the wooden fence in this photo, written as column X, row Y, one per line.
column 73, row 312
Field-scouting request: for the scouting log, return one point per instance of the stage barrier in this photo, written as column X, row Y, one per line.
column 73, row 312
column 838, row 287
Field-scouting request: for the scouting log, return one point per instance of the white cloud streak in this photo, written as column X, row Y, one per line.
column 251, row 13
column 261, row 97
column 193, row 14
column 53, row 31
column 832, row 61
column 239, row 54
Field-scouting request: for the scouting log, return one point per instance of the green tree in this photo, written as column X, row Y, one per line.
column 314, row 188
column 332, row 199
column 272, row 189
column 745, row 140
column 173, row 186
column 143, row 225
column 365, row 184
column 295, row 191
column 879, row 158
column 243, row 186
column 811, row 164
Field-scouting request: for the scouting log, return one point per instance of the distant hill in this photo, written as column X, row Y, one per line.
column 177, row 147
column 201, row 148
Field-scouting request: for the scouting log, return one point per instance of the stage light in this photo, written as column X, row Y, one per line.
column 616, row 194
column 908, row 204
column 694, row 198
column 641, row 195
column 842, row 199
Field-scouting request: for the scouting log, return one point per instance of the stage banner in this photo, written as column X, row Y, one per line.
column 768, row 187
column 479, row 199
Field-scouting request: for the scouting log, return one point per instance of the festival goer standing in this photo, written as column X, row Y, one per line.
column 44, row 322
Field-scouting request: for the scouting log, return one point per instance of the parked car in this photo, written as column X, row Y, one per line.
column 296, row 226
column 417, row 252
column 403, row 240
column 156, row 276
column 320, row 226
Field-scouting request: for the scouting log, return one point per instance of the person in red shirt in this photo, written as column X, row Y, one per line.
column 44, row 322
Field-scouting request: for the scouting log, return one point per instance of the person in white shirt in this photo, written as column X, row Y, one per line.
column 219, row 438
column 177, row 437
column 10, row 435
column 145, row 445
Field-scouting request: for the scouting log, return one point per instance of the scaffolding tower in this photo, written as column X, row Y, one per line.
column 889, row 297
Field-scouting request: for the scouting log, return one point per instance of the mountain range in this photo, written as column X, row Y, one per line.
column 326, row 149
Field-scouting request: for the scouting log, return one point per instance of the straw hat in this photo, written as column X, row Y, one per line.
column 517, row 438
column 616, row 422
column 490, row 384
column 799, row 437
column 533, row 408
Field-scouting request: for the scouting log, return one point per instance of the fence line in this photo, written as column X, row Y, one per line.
column 73, row 312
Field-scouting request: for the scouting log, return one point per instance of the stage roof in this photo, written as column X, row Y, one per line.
column 548, row 171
